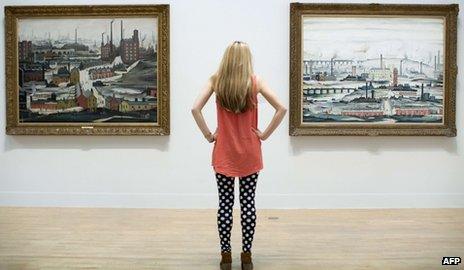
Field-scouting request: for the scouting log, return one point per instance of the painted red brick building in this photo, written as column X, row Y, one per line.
column 129, row 48
column 25, row 51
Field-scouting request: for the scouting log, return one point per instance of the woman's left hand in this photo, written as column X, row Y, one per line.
column 211, row 137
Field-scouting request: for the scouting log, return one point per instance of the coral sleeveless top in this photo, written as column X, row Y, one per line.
column 237, row 149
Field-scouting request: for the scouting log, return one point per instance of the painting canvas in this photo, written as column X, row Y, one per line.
column 83, row 71
column 372, row 71
column 88, row 71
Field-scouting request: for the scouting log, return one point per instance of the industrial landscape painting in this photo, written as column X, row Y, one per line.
column 87, row 70
column 372, row 70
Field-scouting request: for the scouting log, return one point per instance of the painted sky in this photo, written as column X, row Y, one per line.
column 362, row 38
column 90, row 29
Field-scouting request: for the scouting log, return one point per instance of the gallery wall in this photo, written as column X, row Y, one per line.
column 175, row 172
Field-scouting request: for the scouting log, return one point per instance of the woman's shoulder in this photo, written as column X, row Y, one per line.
column 211, row 81
column 258, row 82
column 212, row 78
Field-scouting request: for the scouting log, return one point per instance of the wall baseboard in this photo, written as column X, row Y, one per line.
column 209, row 200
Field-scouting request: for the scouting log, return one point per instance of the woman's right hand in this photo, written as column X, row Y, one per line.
column 259, row 134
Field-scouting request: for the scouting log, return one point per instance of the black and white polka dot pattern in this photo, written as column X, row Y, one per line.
column 247, row 209
column 247, row 187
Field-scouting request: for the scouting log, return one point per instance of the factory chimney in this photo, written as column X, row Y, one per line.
column 438, row 59
column 111, row 38
column 102, row 38
column 135, row 35
column 331, row 66
column 435, row 63
column 422, row 92
column 381, row 61
column 420, row 67
column 366, row 90
column 401, row 67
column 122, row 35
column 75, row 36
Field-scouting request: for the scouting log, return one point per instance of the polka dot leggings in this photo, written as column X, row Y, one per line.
column 247, row 209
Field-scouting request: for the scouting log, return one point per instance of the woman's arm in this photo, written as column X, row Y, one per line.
column 280, row 110
column 196, row 111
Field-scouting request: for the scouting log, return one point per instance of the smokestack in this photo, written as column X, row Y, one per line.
column 372, row 93
column 111, row 38
column 366, row 89
column 420, row 67
column 331, row 66
column 135, row 35
column 102, row 38
column 435, row 63
column 111, row 33
column 422, row 91
column 401, row 67
column 122, row 35
column 75, row 35
column 381, row 61
column 438, row 59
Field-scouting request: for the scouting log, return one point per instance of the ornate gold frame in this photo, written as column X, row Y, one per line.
column 13, row 127
column 449, row 12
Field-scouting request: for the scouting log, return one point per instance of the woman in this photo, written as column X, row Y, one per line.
column 237, row 142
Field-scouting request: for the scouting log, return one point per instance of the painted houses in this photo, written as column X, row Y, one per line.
column 363, row 113
column 42, row 105
column 137, row 105
column 151, row 91
column 101, row 73
column 87, row 101
column 113, row 103
column 74, row 76
column 413, row 111
column 62, row 76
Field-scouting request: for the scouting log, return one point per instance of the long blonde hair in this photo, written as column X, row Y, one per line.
column 232, row 82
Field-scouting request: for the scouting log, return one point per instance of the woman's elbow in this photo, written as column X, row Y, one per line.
column 195, row 110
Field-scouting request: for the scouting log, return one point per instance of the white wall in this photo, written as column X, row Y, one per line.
column 174, row 171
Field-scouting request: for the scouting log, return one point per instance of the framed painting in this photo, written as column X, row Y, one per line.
column 373, row 69
column 87, row 70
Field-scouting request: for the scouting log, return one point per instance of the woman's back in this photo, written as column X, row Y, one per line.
column 237, row 142
column 237, row 150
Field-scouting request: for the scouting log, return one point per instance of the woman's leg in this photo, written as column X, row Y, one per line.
column 247, row 209
column 224, row 214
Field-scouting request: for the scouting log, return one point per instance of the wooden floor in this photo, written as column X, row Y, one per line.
column 99, row 238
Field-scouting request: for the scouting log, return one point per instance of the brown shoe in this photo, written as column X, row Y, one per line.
column 226, row 261
column 247, row 264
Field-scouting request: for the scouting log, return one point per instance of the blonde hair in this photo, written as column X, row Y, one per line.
column 232, row 82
